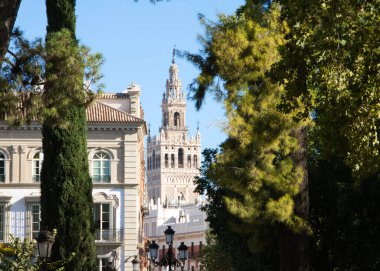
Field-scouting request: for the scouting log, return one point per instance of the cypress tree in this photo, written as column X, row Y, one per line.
column 66, row 188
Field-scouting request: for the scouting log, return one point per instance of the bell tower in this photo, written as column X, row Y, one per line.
column 173, row 102
column 173, row 158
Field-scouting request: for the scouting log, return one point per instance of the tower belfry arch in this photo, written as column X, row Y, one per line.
column 176, row 154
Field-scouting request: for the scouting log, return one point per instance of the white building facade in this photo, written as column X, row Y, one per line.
column 116, row 131
column 173, row 161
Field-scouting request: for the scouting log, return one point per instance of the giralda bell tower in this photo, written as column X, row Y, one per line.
column 173, row 158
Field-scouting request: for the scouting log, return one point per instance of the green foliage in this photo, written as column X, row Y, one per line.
column 227, row 248
column 21, row 255
column 61, row 14
column 66, row 187
column 256, row 161
column 26, row 89
column 214, row 257
column 331, row 65
column 71, row 68
column 330, row 70
column 18, row 256
column 21, row 80
column 311, row 64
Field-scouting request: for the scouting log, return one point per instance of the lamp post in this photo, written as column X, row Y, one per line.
column 45, row 241
column 168, row 260
column 135, row 264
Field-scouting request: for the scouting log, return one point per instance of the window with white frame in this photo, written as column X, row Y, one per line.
column 105, row 209
column 103, row 263
column 2, row 167
column 101, row 168
column 102, row 219
column 37, row 161
column 33, row 218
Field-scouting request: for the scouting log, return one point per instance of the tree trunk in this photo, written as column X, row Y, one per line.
column 294, row 247
column 8, row 14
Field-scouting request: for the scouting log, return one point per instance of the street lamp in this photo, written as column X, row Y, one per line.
column 45, row 241
column 168, row 260
column 169, row 234
column 136, row 264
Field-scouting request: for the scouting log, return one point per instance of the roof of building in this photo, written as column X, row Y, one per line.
column 113, row 95
column 99, row 112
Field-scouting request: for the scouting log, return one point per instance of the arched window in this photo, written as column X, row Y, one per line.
column 172, row 160
column 101, row 168
column 176, row 119
column 38, row 158
column 195, row 161
column 166, row 160
column 180, row 158
column 2, row 168
column 181, row 197
column 189, row 160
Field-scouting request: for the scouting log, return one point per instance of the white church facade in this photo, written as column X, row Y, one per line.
column 116, row 131
column 173, row 161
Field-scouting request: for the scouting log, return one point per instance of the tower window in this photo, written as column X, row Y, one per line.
column 166, row 160
column 158, row 161
column 176, row 119
column 172, row 160
column 154, row 160
column 195, row 161
column 180, row 158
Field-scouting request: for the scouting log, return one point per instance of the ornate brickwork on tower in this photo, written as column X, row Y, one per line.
column 173, row 158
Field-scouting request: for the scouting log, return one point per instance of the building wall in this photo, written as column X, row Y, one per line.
column 123, row 142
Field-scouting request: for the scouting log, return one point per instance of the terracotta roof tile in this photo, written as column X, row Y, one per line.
column 101, row 113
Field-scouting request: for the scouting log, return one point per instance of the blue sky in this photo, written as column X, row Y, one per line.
column 136, row 40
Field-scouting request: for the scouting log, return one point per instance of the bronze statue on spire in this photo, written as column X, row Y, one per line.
column 173, row 55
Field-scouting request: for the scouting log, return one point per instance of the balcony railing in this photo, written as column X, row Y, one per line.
column 112, row 235
column 101, row 178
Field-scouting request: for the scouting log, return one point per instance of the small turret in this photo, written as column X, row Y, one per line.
column 198, row 134
column 134, row 95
